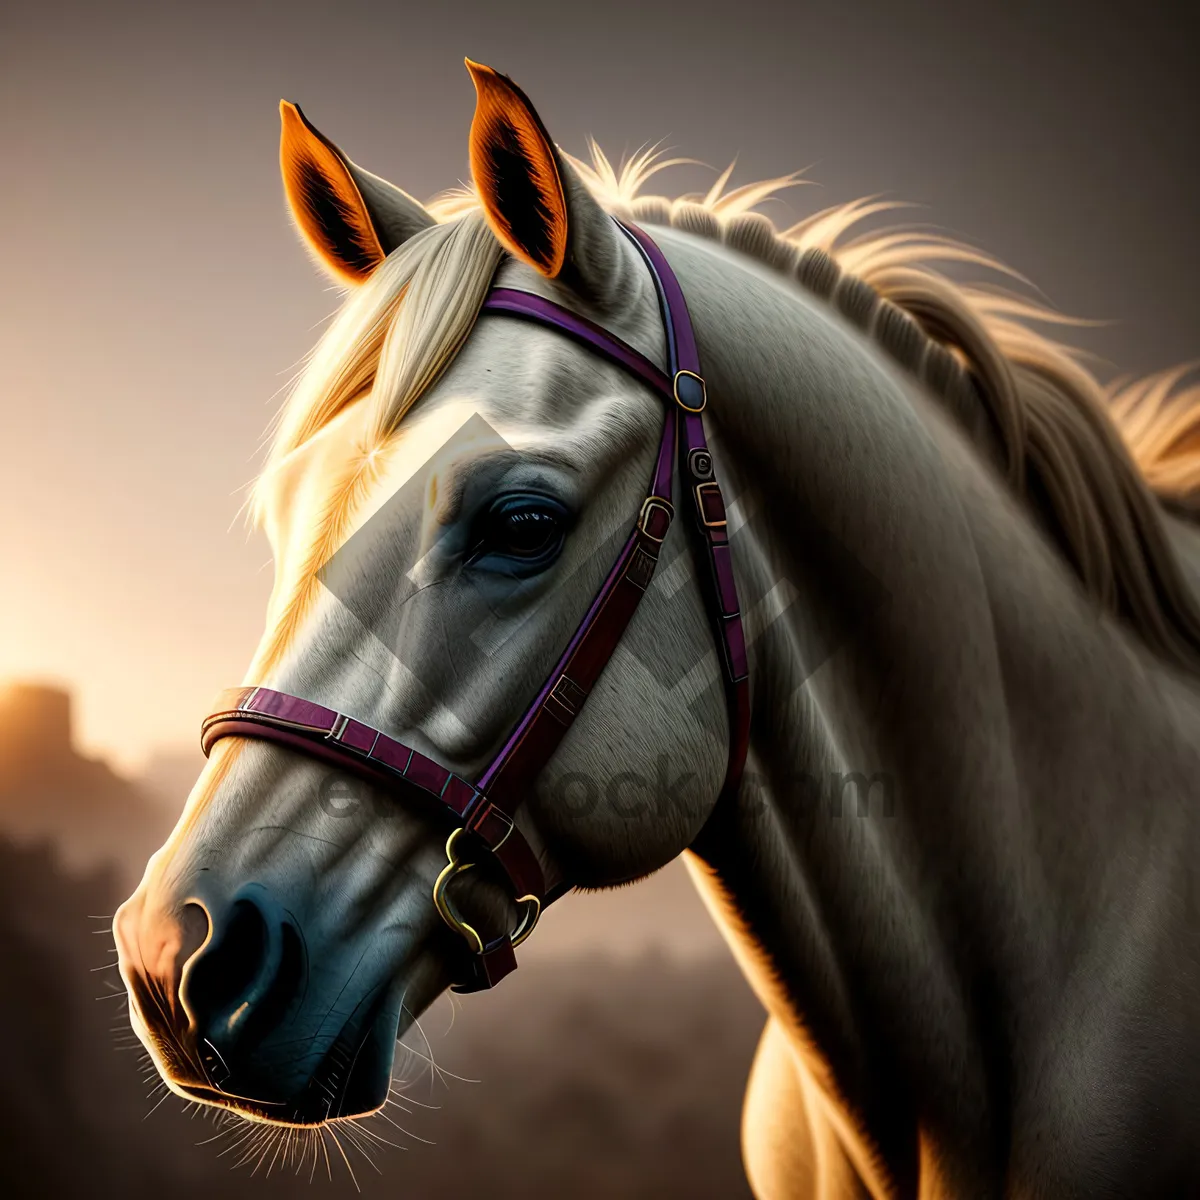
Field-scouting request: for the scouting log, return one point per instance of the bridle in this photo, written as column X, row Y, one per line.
column 483, row 811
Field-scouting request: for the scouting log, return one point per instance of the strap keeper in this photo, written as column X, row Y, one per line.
column 491, row 824
column 710, row 505
column 488, row 967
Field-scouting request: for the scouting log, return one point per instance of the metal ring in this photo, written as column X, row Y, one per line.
column 700, row 463
column 441, row 901
column 529, row 920
column 446, row 910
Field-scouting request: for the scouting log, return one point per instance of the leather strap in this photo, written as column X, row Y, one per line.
column 697, row 474
column 343, row 742
column 485, row 809
column 595, row 337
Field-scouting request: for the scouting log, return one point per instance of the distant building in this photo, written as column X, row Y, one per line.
column 51, row 793
column 35, row 725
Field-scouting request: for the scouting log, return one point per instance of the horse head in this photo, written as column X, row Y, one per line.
column 445, row 498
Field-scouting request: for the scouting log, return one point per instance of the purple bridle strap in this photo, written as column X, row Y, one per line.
column 343, row 742
column 485, row 808
column 698, row 479
column 545, row 312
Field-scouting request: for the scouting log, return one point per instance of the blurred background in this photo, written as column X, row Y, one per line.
column 154, row 306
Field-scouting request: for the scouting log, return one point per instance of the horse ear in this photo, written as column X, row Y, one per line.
column 352, row 220
column 537, row 206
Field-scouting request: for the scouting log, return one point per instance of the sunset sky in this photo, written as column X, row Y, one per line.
column 155, row 299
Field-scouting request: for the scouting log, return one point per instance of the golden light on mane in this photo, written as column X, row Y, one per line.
column 330, row 529
column 1060, row 432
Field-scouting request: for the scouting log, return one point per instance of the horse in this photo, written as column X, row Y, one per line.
column 966, row 575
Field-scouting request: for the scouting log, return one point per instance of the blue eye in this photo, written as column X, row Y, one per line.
column 524, row 529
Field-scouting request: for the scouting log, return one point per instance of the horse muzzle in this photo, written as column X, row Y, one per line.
column 224, row 997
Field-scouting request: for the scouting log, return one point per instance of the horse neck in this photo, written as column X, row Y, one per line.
column 912, row 628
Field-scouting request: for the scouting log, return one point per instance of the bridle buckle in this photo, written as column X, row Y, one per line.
column 652, row 507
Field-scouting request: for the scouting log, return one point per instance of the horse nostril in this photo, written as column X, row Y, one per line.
column 193, row 931
column 240, row 982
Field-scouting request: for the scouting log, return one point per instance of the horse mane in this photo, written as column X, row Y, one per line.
column 1099, row 465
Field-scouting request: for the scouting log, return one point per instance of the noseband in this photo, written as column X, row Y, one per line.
column 483, row 810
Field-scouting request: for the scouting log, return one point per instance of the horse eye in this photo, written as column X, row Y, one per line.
column 525, row 534
column 527, row 528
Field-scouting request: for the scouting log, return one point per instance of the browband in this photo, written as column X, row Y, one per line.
column 483, row 810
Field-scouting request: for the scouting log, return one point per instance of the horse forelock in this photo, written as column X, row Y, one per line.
column 552, row 402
